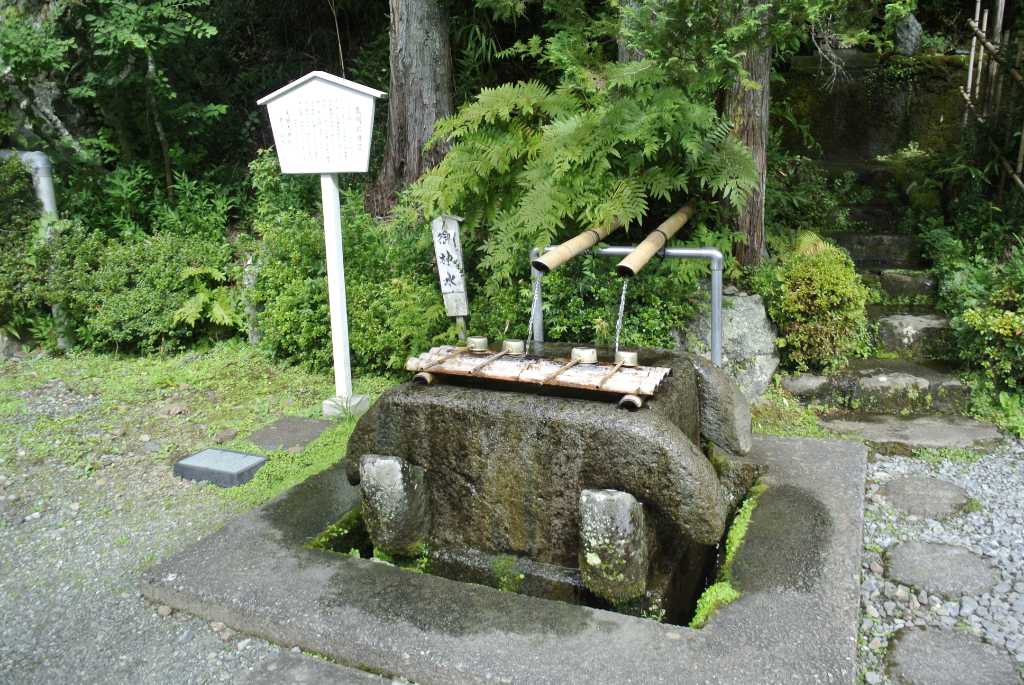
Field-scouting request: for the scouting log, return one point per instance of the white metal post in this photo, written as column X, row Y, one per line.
column 344, row 403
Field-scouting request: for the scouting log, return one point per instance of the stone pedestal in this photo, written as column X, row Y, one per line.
column 395, row 506
column 614, row 545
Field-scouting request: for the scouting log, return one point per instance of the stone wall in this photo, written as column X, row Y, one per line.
column 881, row 106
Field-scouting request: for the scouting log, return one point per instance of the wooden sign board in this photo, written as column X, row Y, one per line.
column 448, row 252
column 322, row 124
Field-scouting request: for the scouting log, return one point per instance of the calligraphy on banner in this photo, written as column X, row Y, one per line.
column 450, row 271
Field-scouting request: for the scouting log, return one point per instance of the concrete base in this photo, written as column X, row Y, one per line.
column 221, row 467
column 344, row 407
column 795, row 623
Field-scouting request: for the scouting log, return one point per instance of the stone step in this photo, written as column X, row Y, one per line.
column 901, row 283
column 881, row 251
column 900, row 435
column 886, row 386
column 877, row 312
column 916, row 336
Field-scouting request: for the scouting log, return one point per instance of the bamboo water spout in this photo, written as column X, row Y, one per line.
column 570, row 248
column 652, row 244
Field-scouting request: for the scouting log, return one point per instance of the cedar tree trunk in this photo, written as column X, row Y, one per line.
column 748, row 110
column 422, row 92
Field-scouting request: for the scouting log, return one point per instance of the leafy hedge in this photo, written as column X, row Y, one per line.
column 19, row 211
column 394, row 305
column 984, row 297
column 816, row 298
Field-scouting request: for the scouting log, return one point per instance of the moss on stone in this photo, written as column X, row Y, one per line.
column 722, row 592
column 507, row 576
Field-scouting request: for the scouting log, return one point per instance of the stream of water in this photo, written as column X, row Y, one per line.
column 622, row 311
column 533, row 307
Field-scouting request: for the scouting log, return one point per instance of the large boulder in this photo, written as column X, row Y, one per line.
column 504, row 469
column 749, row 352
column 724, row 410
column 909, row 34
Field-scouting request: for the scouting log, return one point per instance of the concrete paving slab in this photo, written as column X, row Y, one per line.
column 795, row 623
column 942, row 569
column 927, row 497
column 289, row 668
column 221, row 467
column 947, row 657
column 903, row 433
column 289, row 432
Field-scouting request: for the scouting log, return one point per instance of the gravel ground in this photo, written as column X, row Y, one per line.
column 73, row 539
column 996, row 532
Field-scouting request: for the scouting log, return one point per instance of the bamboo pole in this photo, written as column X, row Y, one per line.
column 983, row 35
column 970, row 65
column 652, row 244
column 994, row 51
column 570, row 248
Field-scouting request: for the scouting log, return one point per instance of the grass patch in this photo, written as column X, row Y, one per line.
column 721, row 592
column 972, row 506
column 779, row 413
column 180, row 401
column 946, row 455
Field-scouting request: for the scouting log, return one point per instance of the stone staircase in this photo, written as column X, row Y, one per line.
column 899, row 398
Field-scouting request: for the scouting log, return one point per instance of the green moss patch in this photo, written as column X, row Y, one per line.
column 722, row 593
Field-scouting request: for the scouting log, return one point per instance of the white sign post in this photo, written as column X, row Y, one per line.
column 448, row 253
column 323, row 125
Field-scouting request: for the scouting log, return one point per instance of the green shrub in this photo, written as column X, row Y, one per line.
column 140, row 286
column 19, row 211
column 394, row 304
column 984, row 298
column 817, row 300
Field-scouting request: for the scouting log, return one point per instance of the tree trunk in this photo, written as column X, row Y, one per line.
column 748, row 110
column 422, row 92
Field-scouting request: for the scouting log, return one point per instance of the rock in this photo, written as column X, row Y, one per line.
column 225, row 435
column 947, row 657
column 923, row 496
column 914, row 335
column 395, row 504
column 908, row 36
column 613, row 559
column 288, row 432
column 217, row 626
column 804, row 385
column 939, row 568
column 164, row 611
column 923, row 431
column 724, row 409
column 749, row 352
column 8, row 347
column 176, row 409
column 505, row 469
column 897, row 283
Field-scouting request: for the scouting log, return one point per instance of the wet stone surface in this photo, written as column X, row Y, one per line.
column 990, row 527
column 942, row 569
column 289, row 433
column 923, row 656
column 925, row 497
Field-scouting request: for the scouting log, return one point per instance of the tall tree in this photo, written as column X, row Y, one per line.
column 422, row 92
column 746, row 105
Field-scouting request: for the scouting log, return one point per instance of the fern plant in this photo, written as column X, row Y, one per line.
column 213, row 301
column 531, row 162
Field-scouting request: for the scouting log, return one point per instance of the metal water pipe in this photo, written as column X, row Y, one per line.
column 42, row 181
column 707, row 253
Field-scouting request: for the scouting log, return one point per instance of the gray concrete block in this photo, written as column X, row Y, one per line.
column 221, row 467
